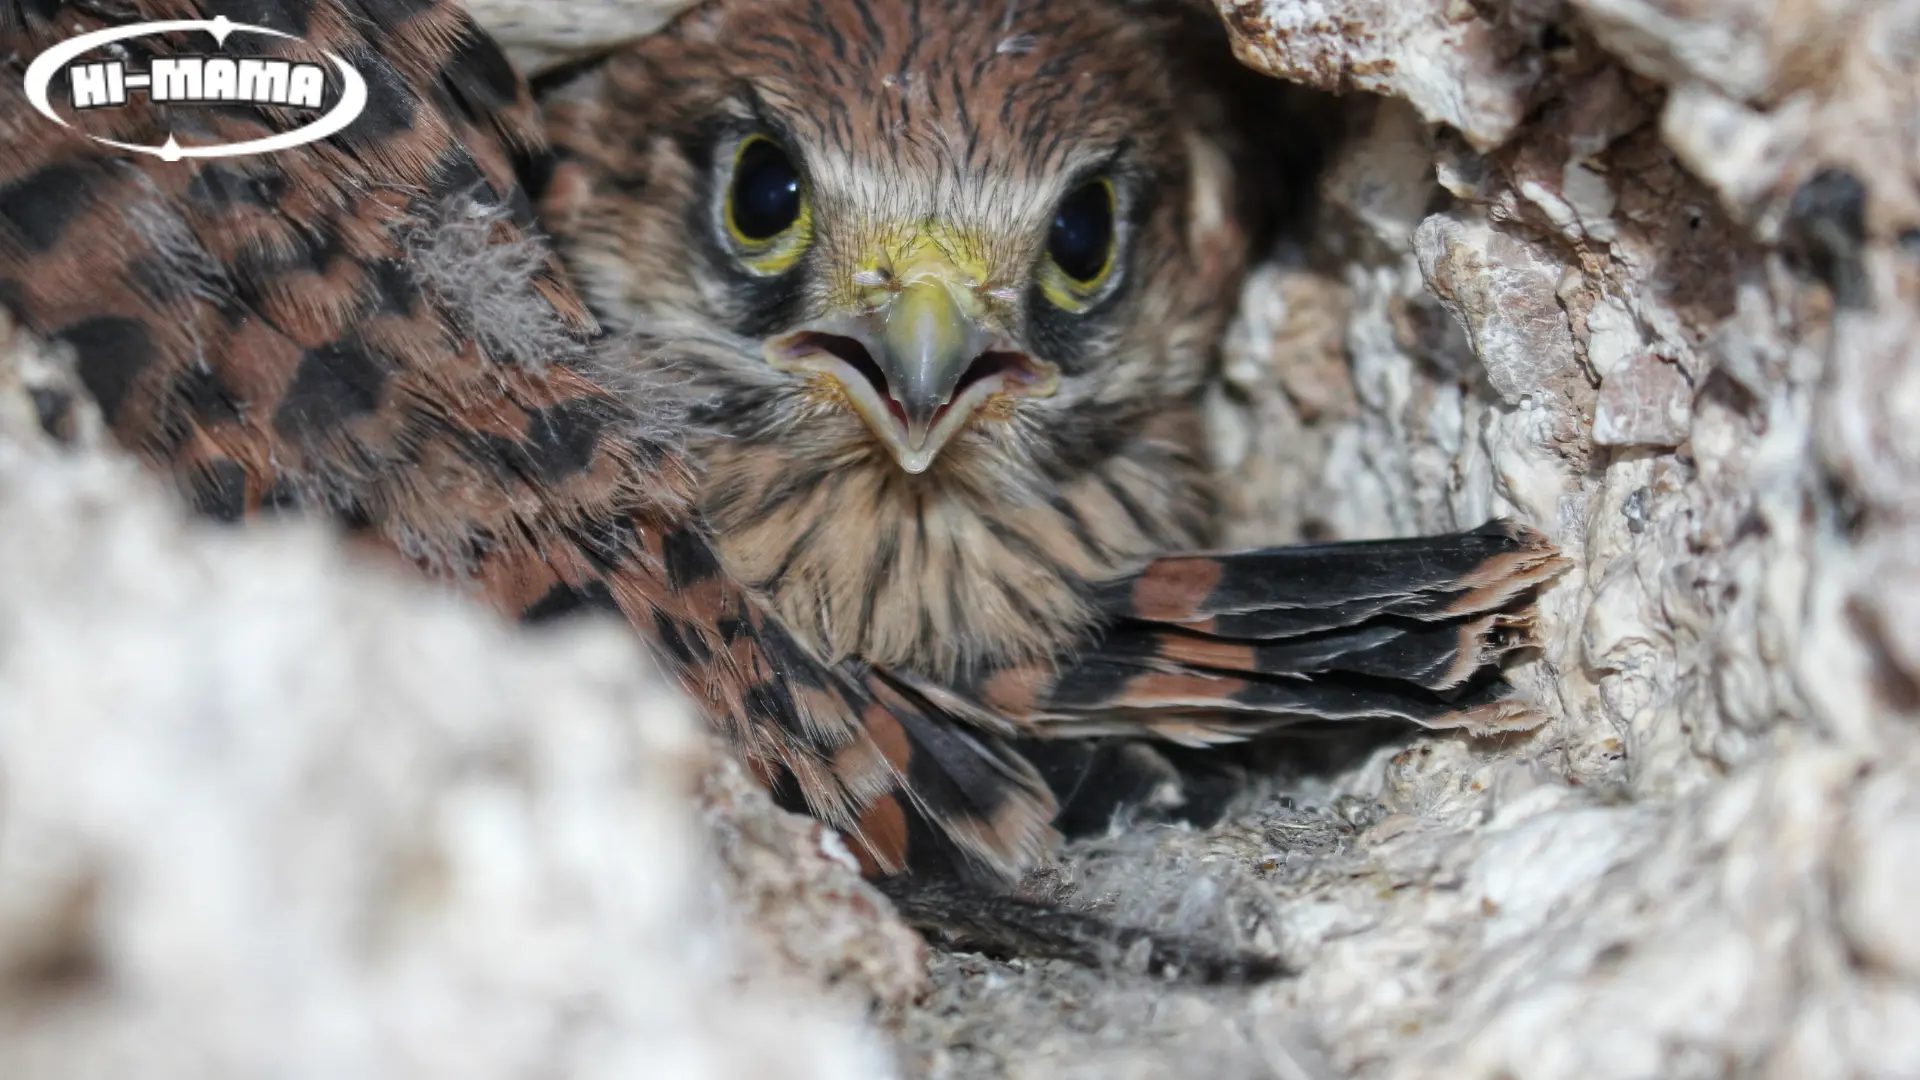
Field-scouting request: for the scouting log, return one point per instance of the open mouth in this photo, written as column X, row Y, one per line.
column 848, row 361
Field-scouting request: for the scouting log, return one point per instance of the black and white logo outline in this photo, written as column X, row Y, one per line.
column 353, row 95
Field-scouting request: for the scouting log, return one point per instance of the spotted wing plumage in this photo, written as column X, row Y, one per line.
column 370, row 327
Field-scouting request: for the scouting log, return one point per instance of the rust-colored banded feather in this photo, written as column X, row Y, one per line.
column 1205, row 648
column 1285, row 591
column 371, row 327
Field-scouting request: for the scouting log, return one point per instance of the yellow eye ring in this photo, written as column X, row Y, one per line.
column 1082, row 243
column 767, row 212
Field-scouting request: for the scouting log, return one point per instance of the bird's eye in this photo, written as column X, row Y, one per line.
column 1081, row 240
column 765, row 198
column 1080, row 246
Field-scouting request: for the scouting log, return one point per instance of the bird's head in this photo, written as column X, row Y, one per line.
column 908, row 226
column 939, row 284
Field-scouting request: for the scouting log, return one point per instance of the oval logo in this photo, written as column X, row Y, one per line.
column 193, row 80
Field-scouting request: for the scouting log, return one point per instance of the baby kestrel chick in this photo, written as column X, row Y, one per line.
column 942, row 283
column 912, row 304
column 940, row 286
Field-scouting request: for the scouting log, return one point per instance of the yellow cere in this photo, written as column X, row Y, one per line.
column 908, row 254
column 777, row 254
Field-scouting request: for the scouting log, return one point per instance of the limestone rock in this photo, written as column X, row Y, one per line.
column 1469, row 65
column 1683, row 298
column 541, row 34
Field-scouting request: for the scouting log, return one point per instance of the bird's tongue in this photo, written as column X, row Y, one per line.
column 899, row 413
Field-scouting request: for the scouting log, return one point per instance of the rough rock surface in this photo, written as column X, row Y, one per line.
column 540, row 34
column 1643, row 273
column 1469, row 65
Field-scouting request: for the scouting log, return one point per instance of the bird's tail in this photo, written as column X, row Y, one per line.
column 1209, row 648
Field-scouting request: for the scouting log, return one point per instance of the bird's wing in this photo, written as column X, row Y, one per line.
column 1215, row 647
column 370, row 326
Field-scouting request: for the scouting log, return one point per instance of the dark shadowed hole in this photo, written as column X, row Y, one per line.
column 993, row 363
column 855, row 356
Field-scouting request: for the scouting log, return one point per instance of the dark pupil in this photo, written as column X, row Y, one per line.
column 766, row 192
column 1082, row 232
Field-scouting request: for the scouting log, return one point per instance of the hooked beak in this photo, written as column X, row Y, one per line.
column 919, row 365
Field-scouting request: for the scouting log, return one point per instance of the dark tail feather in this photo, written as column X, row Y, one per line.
column 969, row 919
column 1310, row 588
column 1211, row 648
